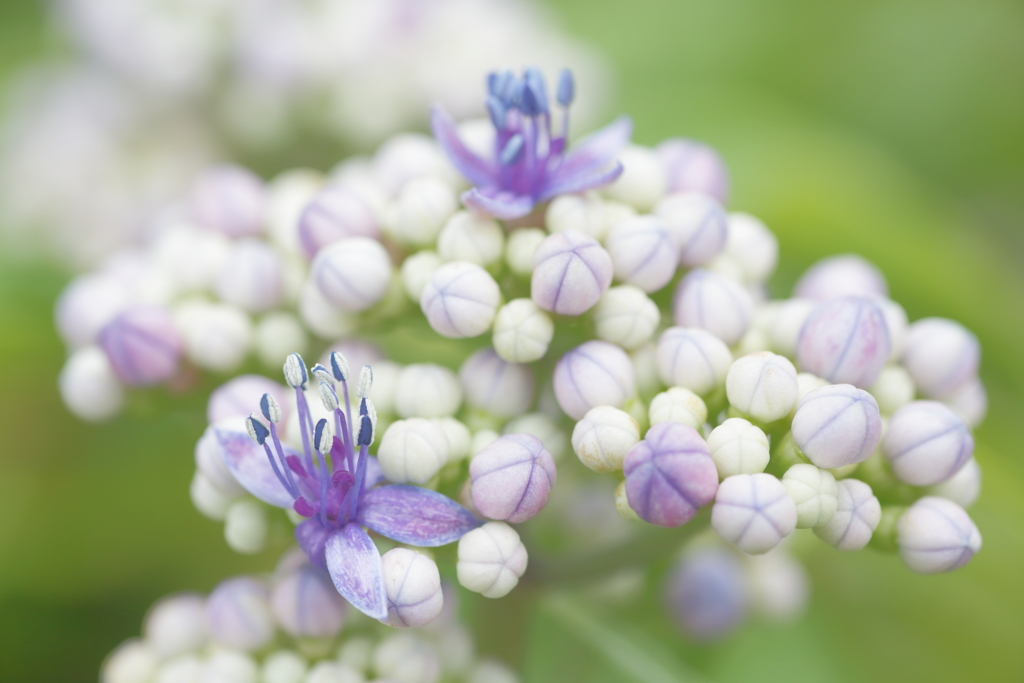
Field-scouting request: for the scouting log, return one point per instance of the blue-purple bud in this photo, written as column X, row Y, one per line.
column 142, row 345
column 707, row 593
column 535, row 90
column 566, row 88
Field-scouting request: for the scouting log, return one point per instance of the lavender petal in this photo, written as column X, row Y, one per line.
column 596, row 151
column 355, row 567
column 249, row 465
column 476, row 170
column 579, row 182
column 503, row 205
column 312, row 537
column 414, row 515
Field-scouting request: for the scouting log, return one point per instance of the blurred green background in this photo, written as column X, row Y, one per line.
column 891, row 128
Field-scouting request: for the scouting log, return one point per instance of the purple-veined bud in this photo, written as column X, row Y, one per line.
column 427, row 390
column 896, row 324
column 697, row 224
column 678, row 404
column 133, row 661
column 422, row 207
column 762, row 385
column 692, row 358
column 417, row 270
column 970, row 402
column 491, row 560
column 752, row 246
column 238, row 614
column 492, row 385
column 786, row 322
column 893, row 389
column 570, row 273
column 252, row 277
column 963, row 488
column 841, row 276
column 936, row 535
column 844, row 341
column 335, row 213
column 460, row 300
column 142, row 345
column 626, row 316
column 413, row 587
column 353, row 273
column 603, row 437
column 595, row 373
column 239, row 396
column 583, row 213
column 288, row 194
column 941, row 356
column 706, row 593
column 89, row 387
column 512, row 478
column 815, row 493
column 778, row 584
column 413, row 450
column 86, row 305
column 643, row 181
column 284, row 666
column 229, row 199
column 926, row 443
column 542, row 427
column 692, row 166
column 837, row 425
column 857, row 515
column 753, row 512
column 307, row 605
column 643, row 253
column 406, row 658
column 522, row 245
column 522, row 331
column 472, row 238
column 215, row 336
column 670, row 475
column 738, row 447
column 176, row 625
column 711, row 302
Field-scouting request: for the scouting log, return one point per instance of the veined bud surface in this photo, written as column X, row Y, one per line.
column 512, row 478
column 941, row 356
column 417, row 270
column 307, row 605
column 584, row 213
column 460, row 300
column 692, row 358
column 502, row 389
column 936, row 535
column 86, row 305
column 626, row 316
column 491, row 560
column 413, row 450
column 896, row 324
column 643, row 253
column 229, row 199
column 603, row 437
column 570, row 273
column 595, row 373
column 711, row 302
column 427, row 390
column 844, row 341
column 522, row 245
column 238, row 614
column 643, row 180
column 738, row 447
column 335, row 213
column 472, row 238
column 837, row 425
column 857, row 515
column 142, row 345
column 692, row 166
column 841, row 276
column 762, row 385
column 176, row 625
column 815, row 493
column 753, row 246
column 413, row 587
column 353, row 273
column 678, row 404
column 753, row 512
column 707, row 593
column 252, row 277
column 926, row 443
column 697, row 224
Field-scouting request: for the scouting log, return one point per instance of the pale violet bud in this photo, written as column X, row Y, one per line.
column 738, row 447
column 815, row 493
column 941, row 356
column 522, row 245
column 643, row 181
column 86, row 305
column 143, row 345
column 283, row 666
column 698, row 226
column 542, row 427
column 229, row 199
column 970, row 402
column 711, row 302
column 336, row 212
column 964, row 487
column 307, row 605
column 786, row 322
column 245, row 526
column 570, row 273
column 413, row 587
column 753, row 512
column 482, row 439
column 645, row 368
column 502, row 389
column 295, row 372
column 208, row 498
column 365, row 382
column 132, row 662
column 779, row 585
column 89, row 387
column 595, row 373
column 276, row 335
column 333, row 672
column 926, row 443
column 405, row 157
column 841, row 276
column 460, row 300
column 762, row 385
column 186, row 668
column 413, row 450
column 491, row 671
column 230, row 666
column 491, row 560
column 406, row 658
column 643, row 253
column 896, row 324
column 288, row 195
column 936, row 535
column 844, row 341
column 417, row 270
column 422, row 207
column 693, row 358
column 353, row 274
column 752, row 246
column 678, row 404
column 215, row 336
column 427, row 390
column 321, row 316
column 252, row 277
column 237, row 397
column 837, row 425
column 522, row 331
column 472, row 238
column 238, row 614
column 603, row 437
column 176, row 625
column 583, row 213
column 893, row 389
column 512, row 478
column 460, row 441
column 857, row 515
column 692, row 166
column 706, row 593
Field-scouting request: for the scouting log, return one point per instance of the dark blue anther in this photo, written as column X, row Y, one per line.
column 538, row 90
column 259, row 430
column 265, row 407
column 339, row 366
column 365, row 431
column 318, row 435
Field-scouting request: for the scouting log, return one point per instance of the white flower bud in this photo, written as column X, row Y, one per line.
column 788, row 319
column 815, row 493
column 738, row 447
column 522, row 245
column 192, row 257
column 837, row 425
column 181, row 669
column 208, row 498
column 89, row 387
column 132, row 662
column 643, row 253
column 678, row 404
column 693, row 358
column 603, row 437
column 460, row 441
column 837, row 276
column 333, row 672
column 936, row 535
column 245, row 527
column 778, row 584
column 752, row 246
column 504, row 390
column 482, row 439
column 216, row 336
column 413, row 587
column 893, row 389
column 413, row 450
column 320, row 315
column 86, row 305
column 427, row 390
column 422, row 207
column 230, row 666
column 277, row 335
column 306, row 603
column 753, row 511
column 857, row 515
column 711, row 302
column 460, row 300
column 522, row 331
column 417, row 270
column 238, row 614
column 176, row 625
column 643, row 181
column 404, row 157
column 577, row 212
column 896, row 323
column 645, row 368
column 970, row 402
column 491, row 560
column 622, row 504
column 252, row 277
column 491, row 671
column 385, row 385
column 472, row 238
column 357, row 652
column 963, row 488
column 698, row 226
column 615, row 213
column 289, row 194
column 926, row 443
column 405, row 658
column 626, row 316
column 353, row 273
column 762, row 385
column 593, row 374
column 941, row 355
column 283, row 666
column 542, row 427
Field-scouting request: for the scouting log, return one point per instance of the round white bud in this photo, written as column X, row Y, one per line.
column 132, row 662
column 405, row 658
column 594, row 373
column 571, row 271
column 176, row 625
column 838, row 276
column 778, row 584
column 815, row 493
column 413, row 450
column 472, row 238
column 857, row 515
column 577, row 212
column 405, row 157
column 460, row 441
column 427, row 390
column 422, row 207
column 252, row 277
column 626, row 316
column 413, row 587
column 603, row 437
column 615, row 213
column 306, row 604
column 970, row 402
column 936, row 535
column 786, row 322
column 89, row 387
column 216, row 336
column 643, row 253
column 245, row 526
column 963, row 487
column 837, row 425
column 896, row 323
column 678, row 404
column 417, row 270
column 482, row 439
column 522, row 245
column 277, row 335
column 714, row 303
column 86, row 305
column 622, row 504
column 693, row 358
column 353, row 273
column 230, row 666
column 752, row 246
column 697, row 223
column 320, row 315
column 645, row 368
column 893, row 389
column 208, row 498
column 238, row 614
column 753, row 511
column 542, row 427
column 926, row 443
column 283, row 666
column 643, row 181
column 738, row 447
column 333, row 672
column 491, row 560
column 941, row 355
column 460, row 300
column 181, row 669
column 522, row 331
column 502, row 389
column 288, row 195
column 762, row 385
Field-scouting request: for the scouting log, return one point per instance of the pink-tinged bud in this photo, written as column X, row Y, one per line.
column 229, row 199
column 238, row 614
column 240, row 396
column 643, row 253
column 336, row 212
column 839, row 276
column 307, row 605
column 936, row 535
column 499, row 388
column 707, row 593
column 857, row 515
column 142, row 345
column 714, row 303
column 844, row 341
column 253, row 276
column 692, row 358
column 670, row 475
column 698, row 226
column 512, row 478
column 460, row 300
column 570, row 273
column 353, row 273
column 926, row 443
column 595, row 373
column 754, row 512
column 941, row 356
column 837, row 425
column 692, row 166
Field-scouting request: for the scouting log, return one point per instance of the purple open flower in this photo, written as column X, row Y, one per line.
column 531, row 164
column 334, row 484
